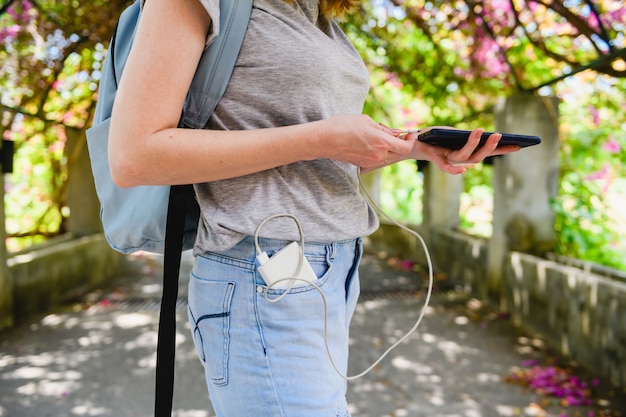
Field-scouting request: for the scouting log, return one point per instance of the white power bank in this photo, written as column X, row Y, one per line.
column 284, row 264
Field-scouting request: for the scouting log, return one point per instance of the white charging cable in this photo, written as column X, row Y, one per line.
column 263, row 258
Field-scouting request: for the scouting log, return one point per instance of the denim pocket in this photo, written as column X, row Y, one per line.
column 209, row 315
column 321, row 265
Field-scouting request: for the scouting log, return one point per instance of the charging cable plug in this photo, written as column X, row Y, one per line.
column 262, row 258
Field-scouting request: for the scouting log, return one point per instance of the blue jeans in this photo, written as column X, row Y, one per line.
column 269, row 359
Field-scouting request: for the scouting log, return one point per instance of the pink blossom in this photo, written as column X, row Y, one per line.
column 13, row 13
column 26, row 6
column 9, row 33
column 67, row 117
column 617, row 15
column 603, row 174
column 599, row 175
column 595, row 115
column 555, row 382
column 404, row 264
column 593, row 21
column 394, row 81
column 459, row 72
column 612, row 146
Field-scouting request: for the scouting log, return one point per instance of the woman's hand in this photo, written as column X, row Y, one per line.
column 359, row 140
column 456, row 161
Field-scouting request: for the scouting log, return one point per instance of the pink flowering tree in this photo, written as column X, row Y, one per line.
column 446, row 62
column 432, row 62
column 459, row 56
column 51, row 53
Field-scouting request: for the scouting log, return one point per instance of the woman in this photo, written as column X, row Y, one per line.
column 288, row 137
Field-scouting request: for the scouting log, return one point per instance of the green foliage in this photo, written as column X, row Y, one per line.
column 583, row 226
column 590, row 223
column 401, row 192
column 477, row 201
column 432, row 62
column 35, row 191
column 52, row 52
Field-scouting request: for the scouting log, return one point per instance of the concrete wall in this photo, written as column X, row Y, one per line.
column 45, row 274
column 577, row 312
column 584, row 314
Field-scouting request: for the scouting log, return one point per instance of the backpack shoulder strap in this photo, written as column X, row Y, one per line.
column 116, row 59
column 125, row 29
column 217, row 64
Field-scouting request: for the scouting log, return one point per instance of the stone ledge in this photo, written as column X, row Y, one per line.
column 44, row 275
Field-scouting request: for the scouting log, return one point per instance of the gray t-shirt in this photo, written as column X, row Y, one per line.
column 294, row 67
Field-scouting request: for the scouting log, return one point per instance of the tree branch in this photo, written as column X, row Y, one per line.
column 579, row 23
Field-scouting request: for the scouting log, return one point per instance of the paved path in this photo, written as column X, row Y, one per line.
column 95, row 356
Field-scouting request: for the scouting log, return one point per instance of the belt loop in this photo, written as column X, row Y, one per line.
column 333, row 250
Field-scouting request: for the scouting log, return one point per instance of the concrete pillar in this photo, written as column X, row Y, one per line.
column 524, row 183
column 372, row 183
column 441, row 199
column 441, row 203
column 6, row 281
column 82, row 200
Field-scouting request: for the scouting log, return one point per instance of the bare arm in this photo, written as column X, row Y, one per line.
column 146, row 147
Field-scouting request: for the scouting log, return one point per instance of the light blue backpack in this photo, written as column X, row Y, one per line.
column 161, row 219
column 135, row 218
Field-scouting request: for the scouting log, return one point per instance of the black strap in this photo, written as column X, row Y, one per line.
column 166, row 346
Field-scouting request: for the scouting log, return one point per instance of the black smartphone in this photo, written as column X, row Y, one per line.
column 456, row 139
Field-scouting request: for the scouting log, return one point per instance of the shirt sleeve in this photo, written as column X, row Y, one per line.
column 213, row 9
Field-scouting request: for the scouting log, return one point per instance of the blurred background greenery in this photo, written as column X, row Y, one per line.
column 431, row 63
